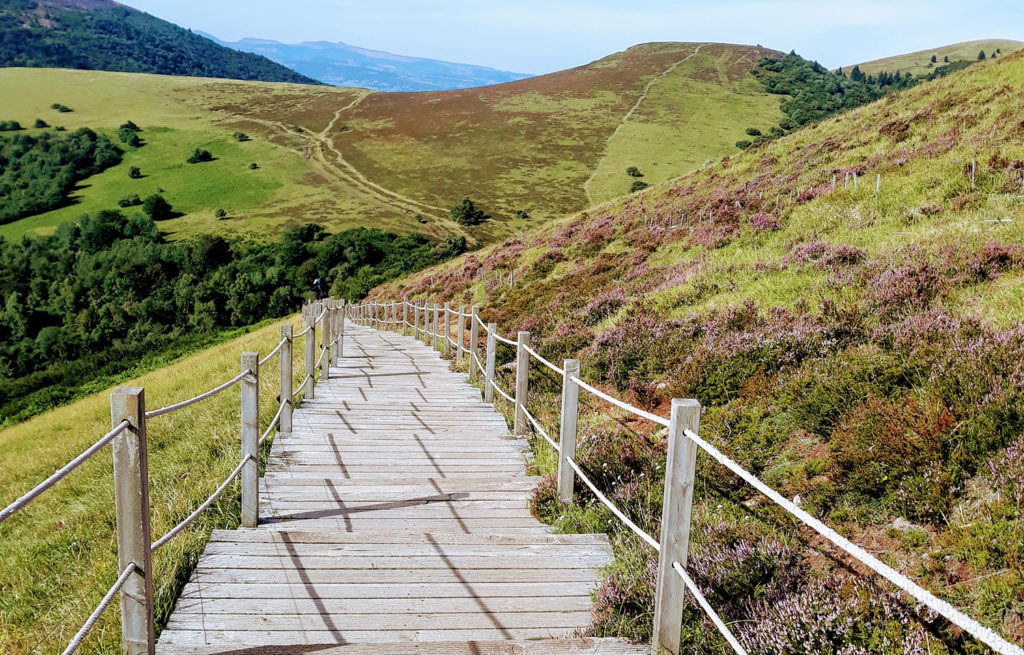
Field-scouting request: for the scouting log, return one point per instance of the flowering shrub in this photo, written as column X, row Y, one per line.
column 822, row 255
column 765, row 223
column 714, row 236
column 906, row 288
column 604, row 306
column 1007, row 473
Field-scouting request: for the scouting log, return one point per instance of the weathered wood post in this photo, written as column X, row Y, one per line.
column 974, row 166
column 131, row 503
column 522, row 382
column 567, row 431
column 325, row 362
column 447, row 331
column 335, row 343
column 474, row 337
column 310, row 360
column 680, row 467
column 285, row 358
column 462, row 335
column 492, row 329
column 416, row 321
column 405, row 316
column 341, row 332
column 435, row 329
column 878, row 183
column 250, row 387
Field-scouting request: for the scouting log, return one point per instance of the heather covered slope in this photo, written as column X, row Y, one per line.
column 861, row 350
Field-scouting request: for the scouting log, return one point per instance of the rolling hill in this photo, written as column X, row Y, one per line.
column 920, row 63
column 847, row 304
column 545, row 146
column 341, row 64
column 106, row 35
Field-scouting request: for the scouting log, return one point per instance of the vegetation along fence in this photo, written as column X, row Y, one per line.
column 127, row 438
column 433, row 324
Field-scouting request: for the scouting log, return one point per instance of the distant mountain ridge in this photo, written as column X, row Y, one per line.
column 341, row 64
column 106, row 35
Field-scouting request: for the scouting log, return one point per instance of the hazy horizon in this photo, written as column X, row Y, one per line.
column 528, row 36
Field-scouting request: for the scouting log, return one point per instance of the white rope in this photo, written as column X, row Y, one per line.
column 481, row 322
column 615, row 510
column 618, row 403
column 502, row 393
column 543, row 361
column 921, row 595
column 303, row 333
column 476, row 359
column 173, row 532
column 59, row 475
column 539, row 429
column 272, row 352
column 83, row 632
column 273, row 423
column 203, row 396
column 302, row 385
column 504, row 340
column 707, row 609
column 323, row 352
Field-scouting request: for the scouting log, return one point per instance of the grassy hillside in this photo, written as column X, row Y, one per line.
column 860, row 349
column 60, row 553
column 107, row 35
column 920, row 63
column 346, row 158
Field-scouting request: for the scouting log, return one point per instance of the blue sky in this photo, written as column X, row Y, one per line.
column 540, row 36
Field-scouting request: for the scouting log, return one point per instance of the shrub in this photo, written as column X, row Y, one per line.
column 522, row 214
column 157, row 208
column 253, row 166
column 638, row 185
column 40, row 123
column 129, row 134
column 220, row 213
column 199, row 156
column 9, row 126
column 603, row 306
column 134, row 173
column 743, row 144
column 633, row 171
column 1007, row 472
column 61, row 108
column 241, row 137
column 899, row 290
column 129, row 201
column 466, row 213
column 765, row 223
column 753, row 131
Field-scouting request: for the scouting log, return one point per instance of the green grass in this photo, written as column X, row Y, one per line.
column 60, row 553
column 919, row 63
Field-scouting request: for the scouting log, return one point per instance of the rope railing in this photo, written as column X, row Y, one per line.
column 201, row 397
column 543, row 361
column 273, row 352
column 987, row 636
column 108, row 598
column 302, row 386
column 273, row 424
column 173, row 532
column 62, row 472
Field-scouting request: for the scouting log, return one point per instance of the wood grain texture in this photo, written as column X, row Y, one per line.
column 394, row 515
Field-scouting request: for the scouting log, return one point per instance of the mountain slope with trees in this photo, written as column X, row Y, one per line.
column 106, row 35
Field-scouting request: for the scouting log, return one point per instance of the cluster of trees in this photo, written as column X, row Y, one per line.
column 49, row 35
column 465, row 212
column 38, row 172
column 815, row 93
column 110, row 289
column 129, row 134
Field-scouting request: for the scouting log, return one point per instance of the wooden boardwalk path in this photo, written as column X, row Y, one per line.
column 393, row 519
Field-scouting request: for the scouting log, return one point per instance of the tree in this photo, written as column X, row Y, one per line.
column 856, row 75
column 220, row 213
column 241, row 137
column 945, row 59
column 753, row 131
column 253, row 166
column 199, row 156
column 744, row 144
column 466, row 213
column 157, row 208
column 638, row 185
column 129, row 134
column 935, row 59
column 41, row 123
column 981, row 56
column 633, row 171
column 134, row 173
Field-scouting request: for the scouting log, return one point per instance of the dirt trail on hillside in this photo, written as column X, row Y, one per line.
column 629, row 114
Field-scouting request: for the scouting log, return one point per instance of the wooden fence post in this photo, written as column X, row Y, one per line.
column 285, row 358
column 474, row 337
column 416, row 321
column 447, row 331
column 325, row 363
column 435, row 330
column 341, row 331
column 492, row 329
column 522, row 382
column 310, row 352
column 131, row 502
column 567, row 431
column 680, row 466
column 405, row 317
column 462, row 335
column 250, row 439
column 335, row 314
